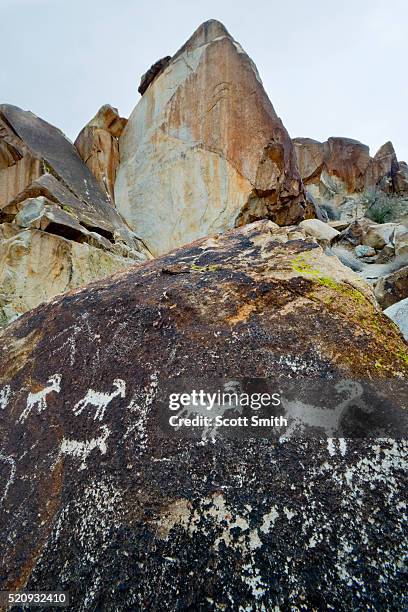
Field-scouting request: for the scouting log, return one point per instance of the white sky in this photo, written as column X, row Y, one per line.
column 330, row 68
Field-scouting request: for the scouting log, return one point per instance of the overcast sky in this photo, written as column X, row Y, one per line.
column 330, row 68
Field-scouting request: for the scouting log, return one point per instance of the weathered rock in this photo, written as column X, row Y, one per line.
column 385, row 168
column 355, row 232
column 35, row 265
column 49, row 151
column 98, row 147
column 204, row 150
column 347, row 160
column 386, row 254
column 361, row 250
column 319, row 230
column 107, row 118
column 99, row 501
column 45, row 186
column 378, row 235
column 400, row 240
column 310, row 158
column 392, row 288
column 398, row 313
column 339, row 225
column 340, row 173
column 153, row 72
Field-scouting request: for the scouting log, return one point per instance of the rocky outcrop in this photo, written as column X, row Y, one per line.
column 341, row 173
column 98, row 146
column 204, row 150
column 153, row 72
column 99, row 499
column 50, row 200
column 35, row 265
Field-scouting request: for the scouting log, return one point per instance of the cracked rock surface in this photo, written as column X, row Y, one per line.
column 204, row 149
column 97, row 501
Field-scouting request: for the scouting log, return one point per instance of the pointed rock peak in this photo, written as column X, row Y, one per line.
column 387, row 149
column 205, row 148
column 205, row 33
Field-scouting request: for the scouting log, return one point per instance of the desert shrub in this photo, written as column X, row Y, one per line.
column 383, row 207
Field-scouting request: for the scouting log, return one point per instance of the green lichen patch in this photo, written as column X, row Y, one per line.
column 209, row 268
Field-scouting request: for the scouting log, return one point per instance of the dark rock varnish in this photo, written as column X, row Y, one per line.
column 97, row 501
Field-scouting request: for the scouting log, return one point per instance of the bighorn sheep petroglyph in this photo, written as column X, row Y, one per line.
column 100, row 400
column 39, row 398
column 4, row 396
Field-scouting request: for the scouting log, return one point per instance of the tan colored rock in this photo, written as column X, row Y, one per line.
column 384, row 168
column 400, row 240
column 59, row 229
column 338, row 225
column 45, row 152
column 309, row 154
column 323, row 232
column 378, row 235
column 347, row 160
column 35, row 266
column 97, row 144
column 204, row 150
column 100, row 152
column 340, row 173
column 107, row 118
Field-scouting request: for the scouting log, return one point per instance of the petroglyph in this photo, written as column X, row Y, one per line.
column 4, row 397
column 301, row 415
column 100, row 400
column 12, row 474
column 81, row 449
column 39, row 398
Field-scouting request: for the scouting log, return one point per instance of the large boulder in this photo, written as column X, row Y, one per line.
column 98, row 146
column 99, row 499
column 337, row 166
column 398, row 313
column 377, row 235
column 392, row 288
column 204, row 150
column 323, row 232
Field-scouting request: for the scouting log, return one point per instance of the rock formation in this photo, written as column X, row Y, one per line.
column 153, row 72
column 204, row 150
column 58, row 229
column 99, row 500
column 98, row 146
column 340, row 169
